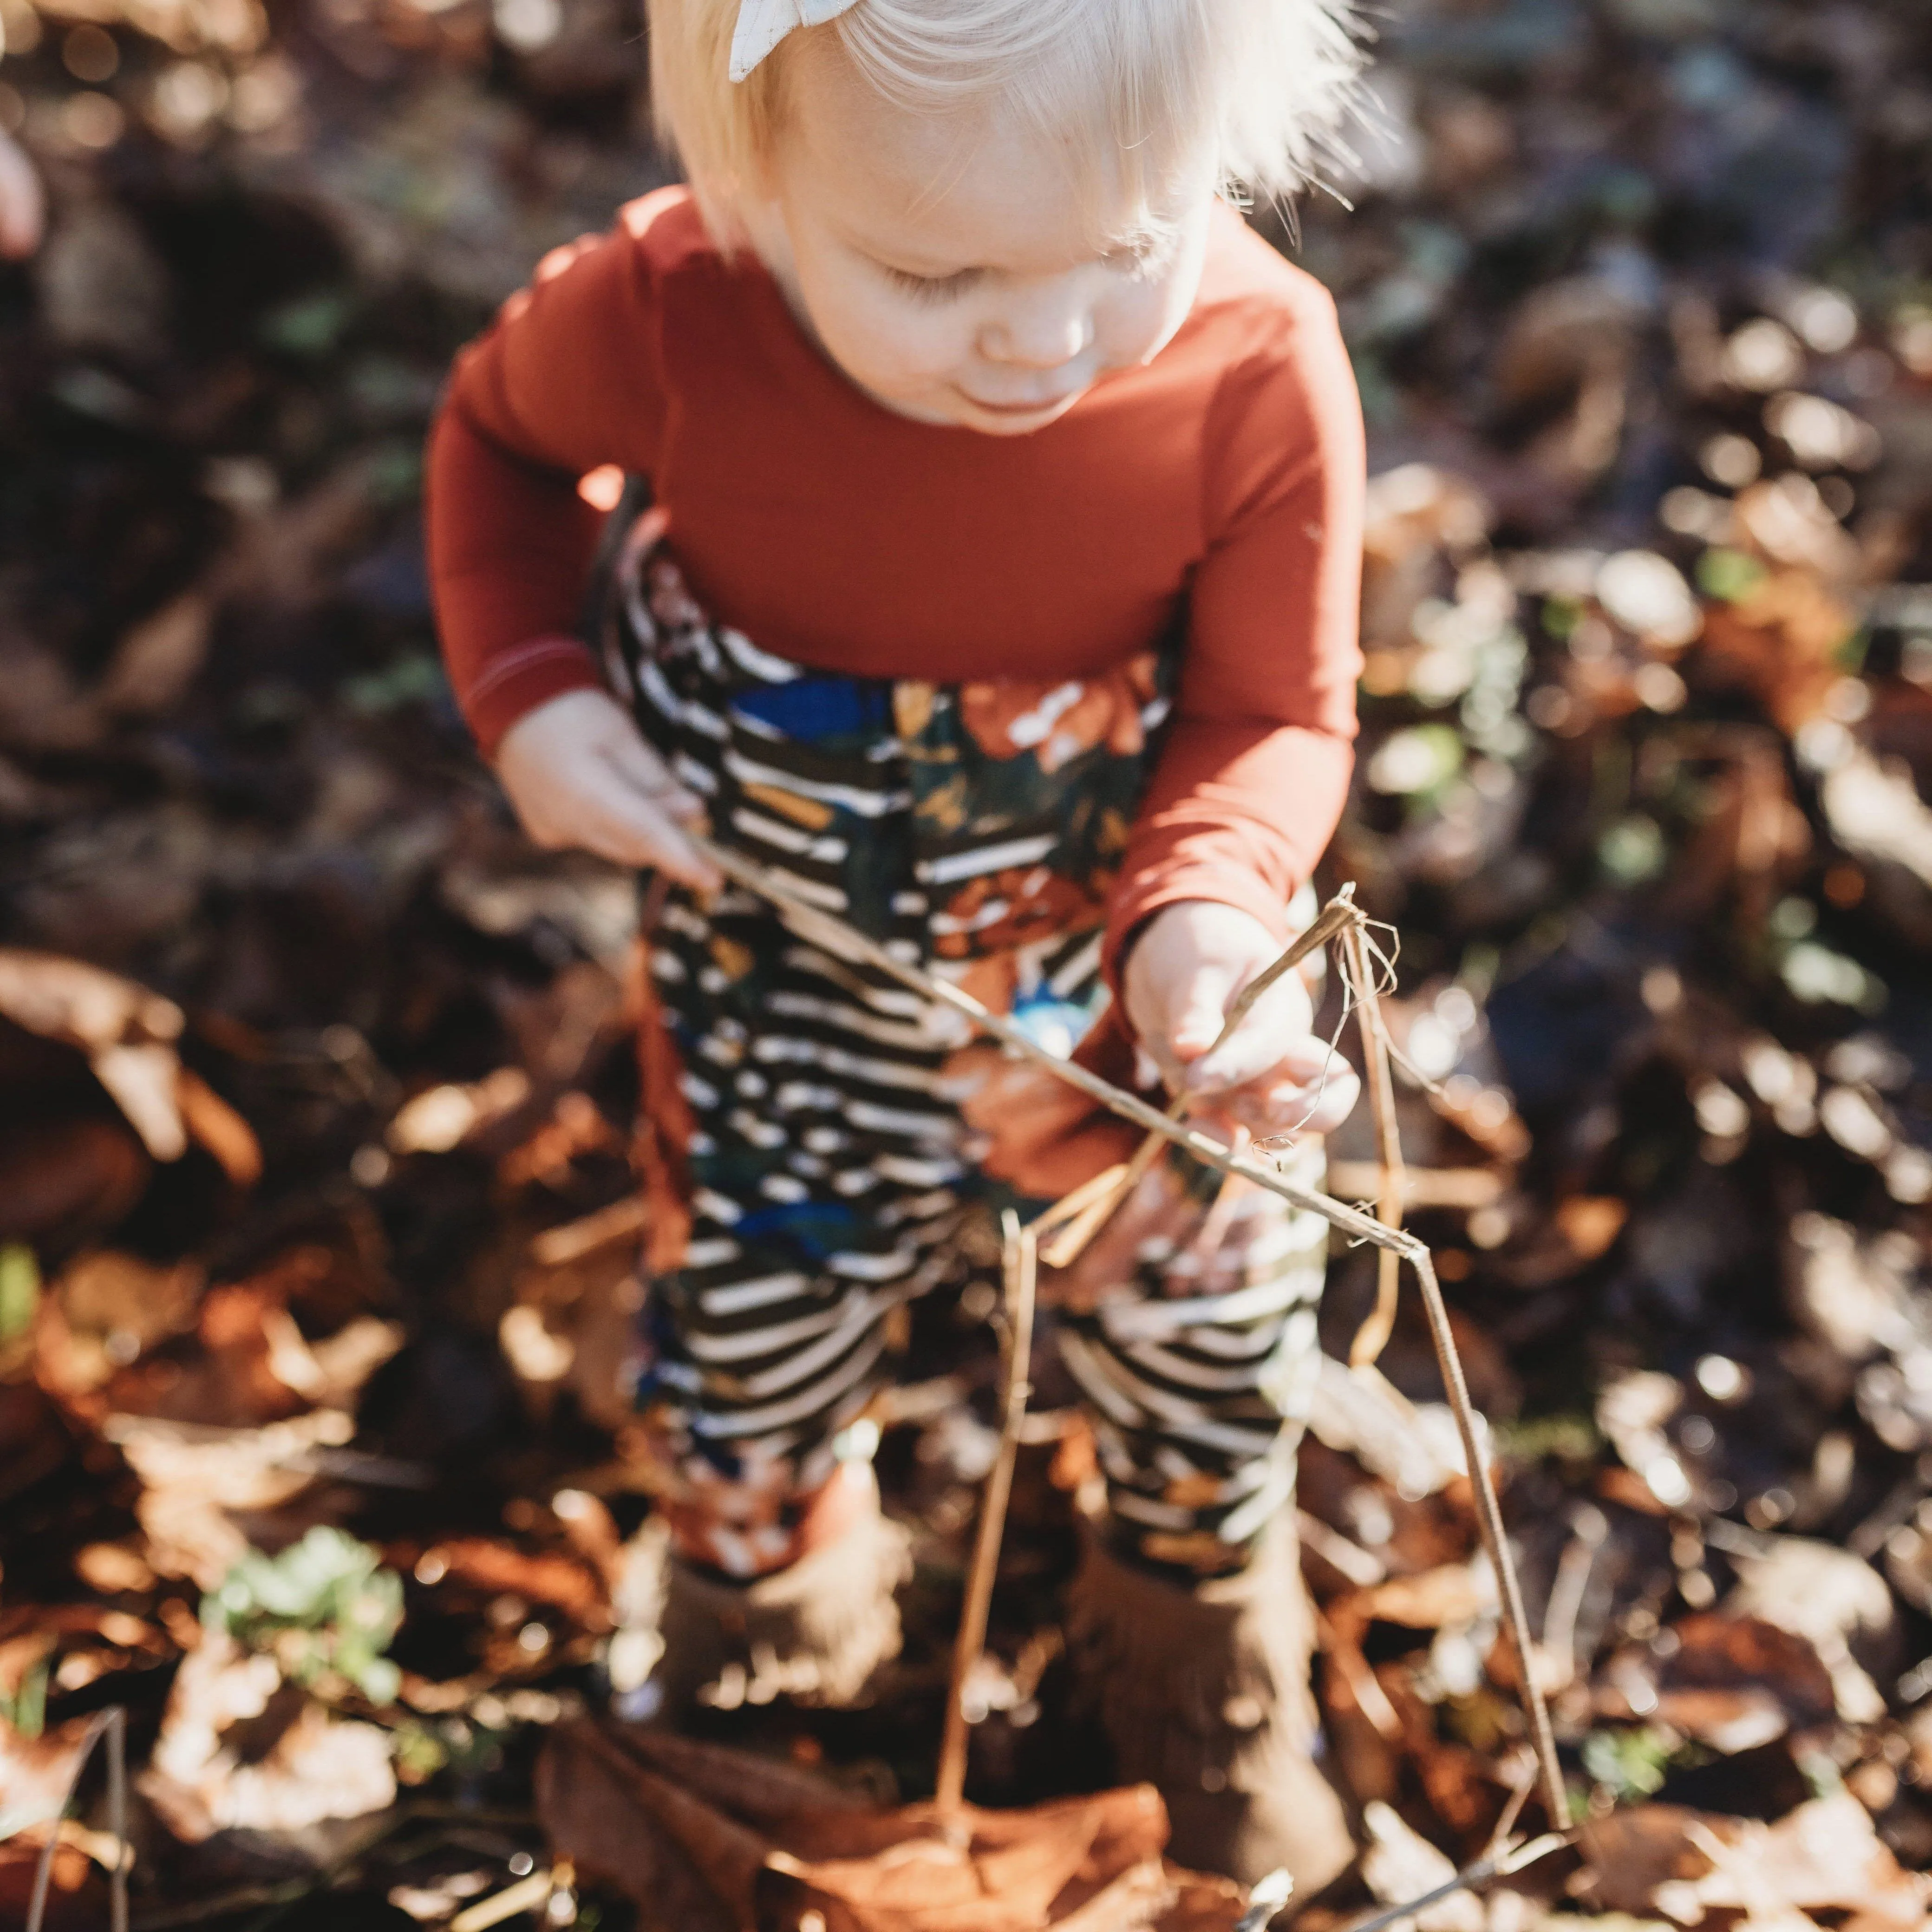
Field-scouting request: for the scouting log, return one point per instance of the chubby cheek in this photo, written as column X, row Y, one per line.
column 1136, row 319
column 883, row 343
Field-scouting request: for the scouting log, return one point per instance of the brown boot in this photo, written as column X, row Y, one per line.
column 816, row 1631
column 1204, row 1693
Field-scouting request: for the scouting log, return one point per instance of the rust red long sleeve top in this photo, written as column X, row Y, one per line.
column 1222, row 483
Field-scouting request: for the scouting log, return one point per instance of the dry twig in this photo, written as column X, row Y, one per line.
column 1021, row 1267
column 1372, row 1338
column 111, row 1723
column 813, row 923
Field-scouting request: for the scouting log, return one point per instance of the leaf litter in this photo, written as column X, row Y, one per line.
column 315, row 1182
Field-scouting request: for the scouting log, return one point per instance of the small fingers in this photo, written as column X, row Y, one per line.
column 1272, row 1027
column 639, row 765
column 617, row 824
column 1313, row 1091
column 649, row 802
column 1325, row 1105
column 650, row 839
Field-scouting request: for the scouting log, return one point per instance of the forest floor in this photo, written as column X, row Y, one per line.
column 314, row 1151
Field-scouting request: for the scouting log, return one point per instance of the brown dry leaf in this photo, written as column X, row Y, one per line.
column 1781, row 641
column 1731, row 1682
column 204, row 1778
column 563, row 1582
column 79, row 1005
column 1090, row 1862
column 1829, row 1597
column 216, row 1126
column 157, row 660
column 440, row 1118
column 1590, row 1223
column 1363, row 1726
column 112, row 1568
column 35, row 1438
column 1412, row 1445
column 1874, row 810
column 1453, row 1593
column 1202, row 1903
column 192, row 1478
column 1825, row 1856
column 250, row 1364
column 1417, row 516
column 77, row 1891
column 683, row 1861
column 576, row 1310
column 35, row 1772
column 576, row 1127
column 64, row 1178
column 711, row 1838
column 126, row 1033
column 1486, row 1114
column 1400, row 1864
column 114, row 1306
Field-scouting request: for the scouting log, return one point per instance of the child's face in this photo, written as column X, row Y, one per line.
column 948, row 268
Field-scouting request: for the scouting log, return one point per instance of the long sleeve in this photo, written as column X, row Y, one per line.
column 1255, row 771
column 568, row 379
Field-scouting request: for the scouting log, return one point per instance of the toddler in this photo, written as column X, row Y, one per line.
column 988, row 565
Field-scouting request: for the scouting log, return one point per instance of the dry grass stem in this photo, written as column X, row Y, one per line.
column 1021, row 1268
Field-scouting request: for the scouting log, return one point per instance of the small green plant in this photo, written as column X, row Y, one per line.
column 24, row 1711
column 325, row 1607
column 1634, row 1764
column 1729, row 575
column 19, row 1289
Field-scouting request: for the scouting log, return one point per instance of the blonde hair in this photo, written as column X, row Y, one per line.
column 1131, row 88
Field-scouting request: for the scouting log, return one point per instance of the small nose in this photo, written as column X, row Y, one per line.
column 1041, row 333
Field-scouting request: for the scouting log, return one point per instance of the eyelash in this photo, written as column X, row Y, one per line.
column 1140, row 264
column 932, row 288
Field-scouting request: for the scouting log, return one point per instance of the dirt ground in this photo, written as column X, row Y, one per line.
column 315, row 1084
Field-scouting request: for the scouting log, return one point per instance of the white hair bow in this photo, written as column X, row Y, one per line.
column 762, row 24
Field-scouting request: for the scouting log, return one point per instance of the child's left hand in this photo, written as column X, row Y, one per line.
column 1273, row 1076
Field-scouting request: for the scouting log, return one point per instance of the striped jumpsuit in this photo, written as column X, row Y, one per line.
column 806, row 1106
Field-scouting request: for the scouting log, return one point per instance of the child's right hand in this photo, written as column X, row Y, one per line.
column 581, row 776
column 21, row 210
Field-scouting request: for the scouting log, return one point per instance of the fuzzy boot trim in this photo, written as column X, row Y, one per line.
column 1205, row 1692
column 818, row 1631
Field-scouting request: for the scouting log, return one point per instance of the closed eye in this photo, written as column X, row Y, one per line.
column 932, row 288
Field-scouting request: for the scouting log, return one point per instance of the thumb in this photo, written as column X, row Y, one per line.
column 639, row 765
column 1203, row 1013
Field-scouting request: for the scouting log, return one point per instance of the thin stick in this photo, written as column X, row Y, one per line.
column 112, row 1724
column 811, row 920
column 1022, row 1270
column 842, row 937
column 1340, row 914
column 1492, row 1865
column 1496, row 1540
column 117, row 1816
column 1521, row 1787
column 1372, row 1337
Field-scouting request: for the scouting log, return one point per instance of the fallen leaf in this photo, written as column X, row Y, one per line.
column 1825, row 1856
column 1399, row 1864
column 734, row 1841
column 318, row 1766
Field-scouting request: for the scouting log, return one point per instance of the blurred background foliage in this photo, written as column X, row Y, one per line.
column 314, row 1090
